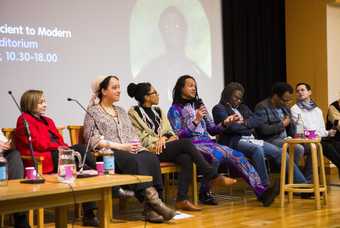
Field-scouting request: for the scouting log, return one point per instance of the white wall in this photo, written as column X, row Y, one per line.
column 333, row 52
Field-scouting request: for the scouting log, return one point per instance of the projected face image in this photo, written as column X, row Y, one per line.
column 173, row 29
column 112, row 92
column 41, row 106
column 176, row 40
column 189, row 89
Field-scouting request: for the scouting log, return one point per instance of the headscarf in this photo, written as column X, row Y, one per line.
column 95, row 89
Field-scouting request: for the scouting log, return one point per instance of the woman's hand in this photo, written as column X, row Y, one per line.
column 5, row 145
column 172, row 138
column 160, row 144
column 131, row 147
column 200, row 113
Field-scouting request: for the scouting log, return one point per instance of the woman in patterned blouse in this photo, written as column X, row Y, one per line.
column 113, row 129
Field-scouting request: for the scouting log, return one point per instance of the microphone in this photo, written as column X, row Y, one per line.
column 82, row 107
column 40, row 179
column 81, row 174
column 198, row 103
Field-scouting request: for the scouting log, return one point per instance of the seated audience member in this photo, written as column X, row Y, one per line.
column 113, row 129
column 277, row 123
column 240, row 135
column 312, row 119
column 333, row 121
column 155, row 132
column 46, row 140
column 15, row 170
column 194, row 122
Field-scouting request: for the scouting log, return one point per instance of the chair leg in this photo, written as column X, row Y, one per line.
column 2, row 223
column 291, row 170
column 31, row 218
column 315, row 176
column 77, row 210
column 283, row 174
column 194, row 185
column 40, row 217
column 323, row 174
column 166, row 187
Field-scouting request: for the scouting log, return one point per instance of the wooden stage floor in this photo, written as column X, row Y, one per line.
column 242, row 210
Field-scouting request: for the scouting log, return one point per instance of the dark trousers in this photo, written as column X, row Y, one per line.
column 183, row 153
column 90, row 163
column 329, row 152
column 142, row 163
column 16, row 171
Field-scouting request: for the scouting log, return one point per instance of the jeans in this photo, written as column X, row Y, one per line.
column 299, row 151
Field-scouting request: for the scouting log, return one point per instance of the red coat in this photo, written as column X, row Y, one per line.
column 42, row 144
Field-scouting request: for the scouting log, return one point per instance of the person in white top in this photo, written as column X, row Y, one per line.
column 312, row 119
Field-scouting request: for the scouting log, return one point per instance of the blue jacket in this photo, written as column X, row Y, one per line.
column 233, row 133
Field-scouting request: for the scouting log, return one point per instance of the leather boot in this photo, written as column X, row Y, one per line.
column 151, row 197
column 151, row 215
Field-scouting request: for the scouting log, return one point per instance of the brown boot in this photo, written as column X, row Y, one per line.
column 186, row 205
column 222, row 181
column 151, row 197
column 151, row 215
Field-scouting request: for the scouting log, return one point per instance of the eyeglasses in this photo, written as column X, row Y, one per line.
column 152, row 93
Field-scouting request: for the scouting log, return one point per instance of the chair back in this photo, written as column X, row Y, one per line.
column 76, row 134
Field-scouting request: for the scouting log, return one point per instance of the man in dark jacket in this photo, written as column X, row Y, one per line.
column 277, row 123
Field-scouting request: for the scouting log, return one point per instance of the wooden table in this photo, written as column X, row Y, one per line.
column 18, row 197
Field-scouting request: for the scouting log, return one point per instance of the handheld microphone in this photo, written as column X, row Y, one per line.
column 40, row 179
column 198, row 102
column 81, row 174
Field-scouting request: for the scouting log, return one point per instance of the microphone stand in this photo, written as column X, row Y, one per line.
column 81, row 173
column 40, row 179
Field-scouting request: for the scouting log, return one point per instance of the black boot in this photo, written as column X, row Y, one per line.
column 90, row 219
column 268, row 197
column 207, row 198
column 151, row 197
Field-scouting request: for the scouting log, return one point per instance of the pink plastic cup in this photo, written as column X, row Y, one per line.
column 30, row 173
column 100, row 168
column 311, row 134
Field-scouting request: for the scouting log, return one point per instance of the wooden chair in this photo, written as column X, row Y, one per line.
column 76, row 136
column 9, row 133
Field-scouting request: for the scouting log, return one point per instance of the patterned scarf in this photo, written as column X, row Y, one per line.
column 307, row 105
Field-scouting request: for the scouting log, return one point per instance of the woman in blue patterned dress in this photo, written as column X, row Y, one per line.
column 190, row 119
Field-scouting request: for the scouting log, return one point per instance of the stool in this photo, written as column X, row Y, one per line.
column 317, row 157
